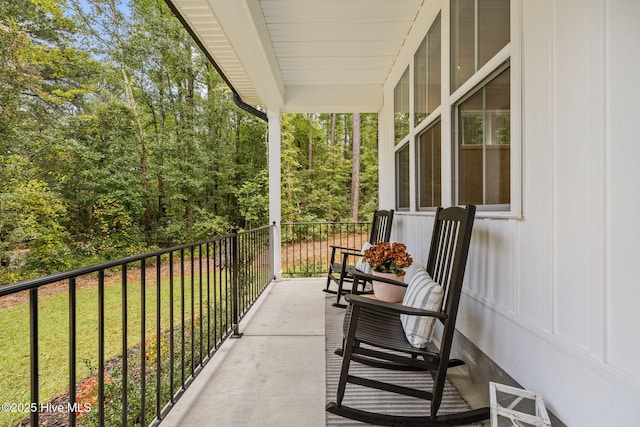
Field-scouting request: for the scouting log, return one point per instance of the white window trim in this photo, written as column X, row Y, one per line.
column 431, row 119
column 512, row 52
column 493, row 208
column 405, row 143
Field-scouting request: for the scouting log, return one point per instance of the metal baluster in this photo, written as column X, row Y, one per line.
column 158, row 337
column 183, row 347
column 200, row 298
column 143, row 349
column 125, row 352
column 171, row 328
column 101, row 370
column 216, row 311
column 208, row 254
column 193, row 332
column 234, row 283
column 33, row 358
column 72, row 351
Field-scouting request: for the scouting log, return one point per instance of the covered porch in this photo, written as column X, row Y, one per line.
column 273, row 375
column 538, row 131
column 524, row 108
column 276, row 374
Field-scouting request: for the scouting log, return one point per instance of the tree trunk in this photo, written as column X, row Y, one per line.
column 310, row 144
column 355, row 168
column 162, row 209
column 332, row 139
column 190, row 132
column 346, row 143
column 143, row 146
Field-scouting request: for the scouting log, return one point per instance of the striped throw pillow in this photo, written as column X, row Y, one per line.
column 422, row 292
column 363, row 265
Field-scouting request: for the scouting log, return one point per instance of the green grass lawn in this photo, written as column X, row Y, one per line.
column 53, row 316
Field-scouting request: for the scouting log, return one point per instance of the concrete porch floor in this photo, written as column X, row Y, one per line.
column 275, row 374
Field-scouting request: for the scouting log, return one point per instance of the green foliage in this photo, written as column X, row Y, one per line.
column 117, row 136
column 322, row 193
column 209, row 225
column 254, row 199
column 115, row 233
column 33, row 214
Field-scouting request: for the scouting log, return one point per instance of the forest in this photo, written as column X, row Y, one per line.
column 117, row 137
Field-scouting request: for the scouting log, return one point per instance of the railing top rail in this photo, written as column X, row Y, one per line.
column 327, row 222
column 253, row 230
column 28, row 284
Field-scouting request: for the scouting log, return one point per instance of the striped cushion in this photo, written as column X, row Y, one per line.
column 422, row 292
column 363, row 265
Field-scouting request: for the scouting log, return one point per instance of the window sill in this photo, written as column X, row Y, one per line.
column 486, row 214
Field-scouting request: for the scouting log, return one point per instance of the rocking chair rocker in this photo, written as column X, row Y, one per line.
column 379, row 326
column 340, row 270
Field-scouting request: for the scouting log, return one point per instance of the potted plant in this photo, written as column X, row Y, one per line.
column 388, row 260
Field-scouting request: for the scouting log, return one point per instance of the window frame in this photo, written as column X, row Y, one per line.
column 418, row 193
column 455, row 129
column 399, row 95
column 476, row 60
column 510, row 54
column 428, row 42
column 398, row 180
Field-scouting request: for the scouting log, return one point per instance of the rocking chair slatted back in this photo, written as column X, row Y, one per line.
column 448, row 252
column 340, row 270
column 377, row 325
column 381, row 226
column 450, row 245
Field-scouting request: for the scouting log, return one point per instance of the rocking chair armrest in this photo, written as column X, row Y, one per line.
column 351, row 252
column 389, row 307
column 358, row 275
column 335, row 248
column 345, row 257
column 343, row 248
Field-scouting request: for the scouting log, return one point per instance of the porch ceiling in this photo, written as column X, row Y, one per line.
column 303, row 55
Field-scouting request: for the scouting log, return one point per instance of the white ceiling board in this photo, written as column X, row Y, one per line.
column 284, row 53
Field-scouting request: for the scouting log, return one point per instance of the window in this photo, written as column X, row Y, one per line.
column 427, row 73
column 402, row 178
column 401, row 107
column 429, row 167
column 484, row 143
column 479, row 30
column 420, row 83
column 456, row 148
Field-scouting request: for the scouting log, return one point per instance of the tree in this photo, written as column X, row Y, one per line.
column 324, row 192
column 33, row 213
column 101, row 152
column 112, row 115
column 106, row 27
column 332, row 138
column 355, row 168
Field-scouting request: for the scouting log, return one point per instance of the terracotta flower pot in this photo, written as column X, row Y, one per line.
column 386, row 291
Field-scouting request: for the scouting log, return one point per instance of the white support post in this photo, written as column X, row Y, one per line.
column 275, row 209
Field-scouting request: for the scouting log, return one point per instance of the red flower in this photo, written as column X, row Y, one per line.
column 387, row 257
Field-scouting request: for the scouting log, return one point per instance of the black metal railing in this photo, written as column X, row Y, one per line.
column 306, row 246
column 159, row 318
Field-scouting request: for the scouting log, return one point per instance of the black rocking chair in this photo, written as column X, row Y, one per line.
column 377, row 324
column 340, row 269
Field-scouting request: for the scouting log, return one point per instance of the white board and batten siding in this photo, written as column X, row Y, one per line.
column 553, row 294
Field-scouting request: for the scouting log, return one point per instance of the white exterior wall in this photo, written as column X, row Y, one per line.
column 552, row 295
